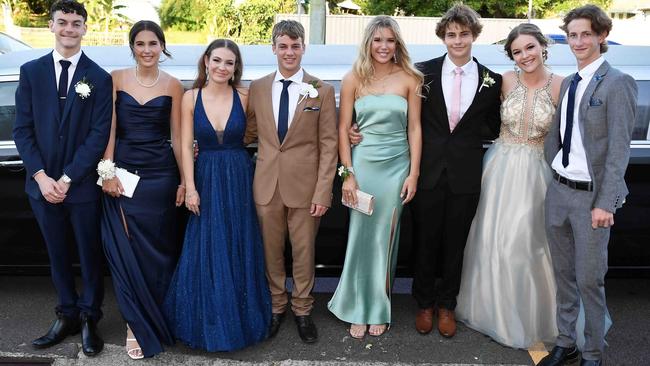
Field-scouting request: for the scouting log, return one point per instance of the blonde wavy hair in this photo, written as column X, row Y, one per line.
column 363, row 67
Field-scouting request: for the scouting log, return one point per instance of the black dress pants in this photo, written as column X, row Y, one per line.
column 441, row 223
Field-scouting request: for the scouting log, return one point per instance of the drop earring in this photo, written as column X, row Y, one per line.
column 395, row 57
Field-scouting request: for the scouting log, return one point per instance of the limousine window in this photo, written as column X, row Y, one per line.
column 8, row 108
column 642, row 123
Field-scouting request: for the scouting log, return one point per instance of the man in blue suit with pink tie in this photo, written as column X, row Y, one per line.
column 63, row 118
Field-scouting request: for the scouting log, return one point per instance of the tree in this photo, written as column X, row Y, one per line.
column 486, row 8
column 185, row 15
column 104, row 13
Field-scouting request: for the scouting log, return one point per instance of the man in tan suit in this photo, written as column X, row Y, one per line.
column 293, row 116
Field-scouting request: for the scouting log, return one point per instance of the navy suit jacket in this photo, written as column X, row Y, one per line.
column 71, row 142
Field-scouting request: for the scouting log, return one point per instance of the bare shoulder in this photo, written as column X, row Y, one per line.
column 189, row 96
column 509, row 80
column 117, row 76
column 556, row 86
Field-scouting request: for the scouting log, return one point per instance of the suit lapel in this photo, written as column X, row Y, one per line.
column 437, row 105
column 589, row 91
column 267, row 115
column 481, row 69
column 299, row 106
column 79, row 73
column 558, row 112
column 50, row 90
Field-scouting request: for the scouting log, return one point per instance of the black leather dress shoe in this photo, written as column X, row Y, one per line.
column 91, row 342
column 276, row 320
column 584, row 362
column 306, row 328
column 560, row 356
column 61, row 328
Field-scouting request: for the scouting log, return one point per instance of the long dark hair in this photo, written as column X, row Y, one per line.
column 148, row 25
column 202, row 77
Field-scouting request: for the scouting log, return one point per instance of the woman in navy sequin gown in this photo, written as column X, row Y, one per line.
column 139, row 233
column 219, row 298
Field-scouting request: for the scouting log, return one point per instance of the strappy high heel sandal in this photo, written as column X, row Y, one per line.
column 134, row 352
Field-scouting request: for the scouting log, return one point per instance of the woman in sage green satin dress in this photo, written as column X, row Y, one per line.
column 382, row 90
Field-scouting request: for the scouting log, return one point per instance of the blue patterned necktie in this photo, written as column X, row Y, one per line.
column 566, row 142
column 283, row 114
column 63, row 83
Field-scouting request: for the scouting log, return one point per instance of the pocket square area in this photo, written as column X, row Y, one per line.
column 311, row 109
column 595, row 102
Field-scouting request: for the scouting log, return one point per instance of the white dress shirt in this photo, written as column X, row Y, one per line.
column 577, row 168
column 469, row 83
column 74, row 59
column 294, row 94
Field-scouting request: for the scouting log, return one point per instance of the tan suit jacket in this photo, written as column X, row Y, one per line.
column 303, row 166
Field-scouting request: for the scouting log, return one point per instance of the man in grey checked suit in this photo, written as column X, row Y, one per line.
column 588, row 148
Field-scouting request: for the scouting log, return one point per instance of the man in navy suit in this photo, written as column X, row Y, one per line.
column 63, row 118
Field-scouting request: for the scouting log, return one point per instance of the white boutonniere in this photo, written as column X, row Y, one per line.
column 309, row 90
column 487, row 81
column 83, row 88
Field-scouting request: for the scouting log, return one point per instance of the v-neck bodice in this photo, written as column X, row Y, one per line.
column 233, row 133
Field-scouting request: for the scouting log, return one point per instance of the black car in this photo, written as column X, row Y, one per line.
column 21, row 245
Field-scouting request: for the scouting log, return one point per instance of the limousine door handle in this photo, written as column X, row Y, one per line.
column 11, row 164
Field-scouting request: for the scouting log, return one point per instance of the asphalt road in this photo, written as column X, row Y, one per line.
column 26, row 305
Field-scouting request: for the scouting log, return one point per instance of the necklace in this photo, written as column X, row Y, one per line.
column 382, row 79
column 143, row 84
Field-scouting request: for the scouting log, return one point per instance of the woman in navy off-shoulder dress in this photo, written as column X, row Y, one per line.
column 139, row 233
column 219, row 298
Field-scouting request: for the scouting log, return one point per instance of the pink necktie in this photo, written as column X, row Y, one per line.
column 455, row 101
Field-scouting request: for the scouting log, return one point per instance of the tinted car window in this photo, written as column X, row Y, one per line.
column 7, row 109
column 641, row 130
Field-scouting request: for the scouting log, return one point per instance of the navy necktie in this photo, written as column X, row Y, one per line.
column 566, row 142
column 63, row 83
column 283, row 114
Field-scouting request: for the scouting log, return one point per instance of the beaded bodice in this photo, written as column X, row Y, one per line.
column 526, row 115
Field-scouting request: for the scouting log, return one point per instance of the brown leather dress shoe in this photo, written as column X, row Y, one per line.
column 424, row 320
column 446, row 322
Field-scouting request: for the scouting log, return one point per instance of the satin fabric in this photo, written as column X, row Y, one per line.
column 219, row 298
column 143, row 259
column 381, row 164
column 507, row 288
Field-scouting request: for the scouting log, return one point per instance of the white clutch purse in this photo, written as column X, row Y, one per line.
column 365, row 203
column 129, row 181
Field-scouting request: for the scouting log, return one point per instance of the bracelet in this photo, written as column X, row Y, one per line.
column 181, row 186
column 345, row 171
column 106, row 169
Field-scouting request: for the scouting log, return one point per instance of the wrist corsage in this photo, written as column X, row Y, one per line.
column 106, row 169
column 345, row 171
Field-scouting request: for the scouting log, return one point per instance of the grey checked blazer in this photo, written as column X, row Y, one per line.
column 606, row 121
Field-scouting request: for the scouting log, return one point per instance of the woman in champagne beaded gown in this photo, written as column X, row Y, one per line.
column 382, row 90
column 139, row 233
column 507, row 289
